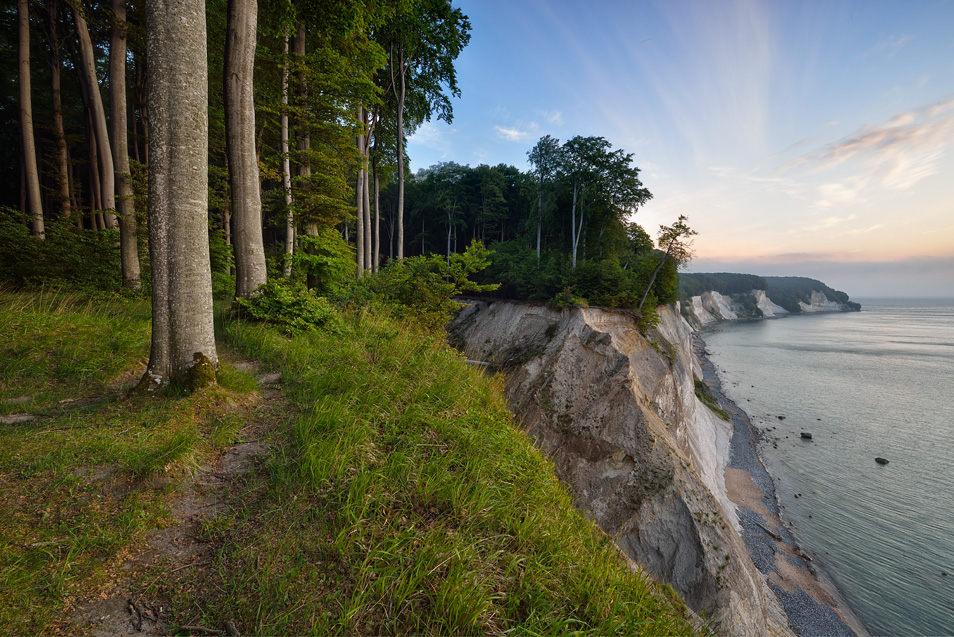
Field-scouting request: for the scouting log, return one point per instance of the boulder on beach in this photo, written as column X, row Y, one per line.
column 806, row 435
column 881, row 460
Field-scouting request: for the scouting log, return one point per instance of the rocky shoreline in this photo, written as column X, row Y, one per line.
column 810, row 600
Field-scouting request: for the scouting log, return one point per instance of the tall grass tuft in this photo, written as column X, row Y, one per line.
column 92, row 473
column 410, row 503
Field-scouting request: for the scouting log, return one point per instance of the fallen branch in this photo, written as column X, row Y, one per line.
column 774, row 536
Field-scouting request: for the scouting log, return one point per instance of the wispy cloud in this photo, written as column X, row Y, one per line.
column 828, row 223
column 888, row 46
column 511, row 134
column 840, row 193
column 554, row 118
column 435, row 137
column 896, row 154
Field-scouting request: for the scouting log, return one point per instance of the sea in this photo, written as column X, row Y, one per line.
column 872, row 384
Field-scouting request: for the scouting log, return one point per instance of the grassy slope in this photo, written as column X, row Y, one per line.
column 397, row 496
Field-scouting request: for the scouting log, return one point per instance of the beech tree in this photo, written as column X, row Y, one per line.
column 97, row 114
column 677, row 240
column 250, row 271
column 62, row 150
column 128, row 231
column 423, row 39
column 30, row 171
column 183, row 341
column 545, row 160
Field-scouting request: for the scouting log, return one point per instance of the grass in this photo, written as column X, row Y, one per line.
column 704, row 393
column 396, row 495
column 406, row 501
column 93, row 472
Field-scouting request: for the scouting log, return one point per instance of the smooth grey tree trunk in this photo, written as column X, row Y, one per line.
column 87, row 72
column 125, row 206
column 400, row 93
column 250, row 270
column 359, row 202
column 366, row 212
column 183, row 341
column 377, row 222
column 31, row 174
column 59, row 132
column 286, row 173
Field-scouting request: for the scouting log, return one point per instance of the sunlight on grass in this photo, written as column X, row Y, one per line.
column 423, row 502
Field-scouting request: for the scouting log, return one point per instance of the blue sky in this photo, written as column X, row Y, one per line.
column 799, row 137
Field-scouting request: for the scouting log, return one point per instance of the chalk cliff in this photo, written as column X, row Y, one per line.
column 642, row 455
column 712, row 307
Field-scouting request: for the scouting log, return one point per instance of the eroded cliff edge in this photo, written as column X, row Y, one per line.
column 643, row 457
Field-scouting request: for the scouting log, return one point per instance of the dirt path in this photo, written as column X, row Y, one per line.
column 125, row 607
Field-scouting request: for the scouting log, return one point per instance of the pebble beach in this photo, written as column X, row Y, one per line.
column 809, row 599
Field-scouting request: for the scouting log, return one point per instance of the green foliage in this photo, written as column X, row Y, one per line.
column 421, row 289
column 567, row 298
column 722, row 282
column 704, row 393
column 325, row 259
column 69, row 256
column 221, row 255
column 291, row 307
column 788, row 291
column 605, row 283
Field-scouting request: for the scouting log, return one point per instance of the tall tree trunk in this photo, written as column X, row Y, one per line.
column 74, row 196
column 92, row 167
column 286, row 173
column 360, row 230
column 539, row 217
column 366, row 211
column 125, row 206
column 376, row 258
column 250, row 270
column 183, row 341
column 359, row 226
column 59, row 132
column 143, row 109
column 87, row 73
column 653, row 279
column 31, row 174
column 304, row 135
column 400, row 92
column 573, row 239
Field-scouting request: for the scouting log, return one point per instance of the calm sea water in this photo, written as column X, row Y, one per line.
column 874, row 383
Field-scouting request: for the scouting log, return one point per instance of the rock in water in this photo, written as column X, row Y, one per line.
column 806, row 435
column 881, row 460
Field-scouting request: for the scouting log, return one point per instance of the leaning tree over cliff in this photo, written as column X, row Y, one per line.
column 677, row 239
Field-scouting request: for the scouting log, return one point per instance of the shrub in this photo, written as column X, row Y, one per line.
column 68, row 256
column 421, row 289
column 291, row 307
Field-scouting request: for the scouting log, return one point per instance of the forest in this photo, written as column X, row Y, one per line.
column 227, row 402
column 309, row 108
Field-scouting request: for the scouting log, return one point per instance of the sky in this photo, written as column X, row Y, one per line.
column 800, row 137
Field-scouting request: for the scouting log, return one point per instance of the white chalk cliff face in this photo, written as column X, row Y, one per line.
column 765, row 304
column 819, row 303
column 642, row 456
column 712, row 307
